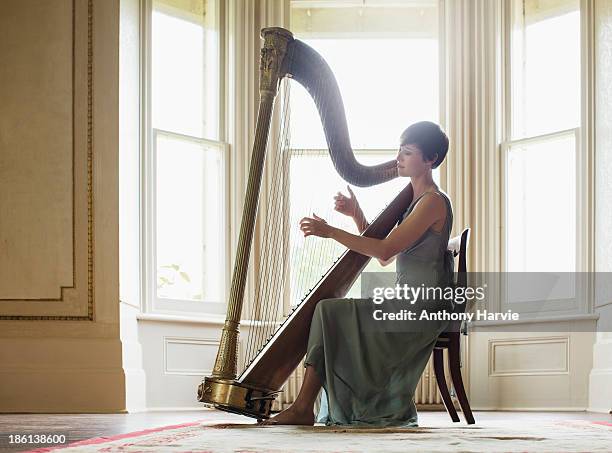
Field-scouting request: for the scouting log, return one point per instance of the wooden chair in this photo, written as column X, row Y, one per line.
column 450, row 339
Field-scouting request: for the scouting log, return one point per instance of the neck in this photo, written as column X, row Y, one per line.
column 422, row 183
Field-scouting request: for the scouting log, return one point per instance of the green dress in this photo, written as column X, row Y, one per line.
column 369, row 376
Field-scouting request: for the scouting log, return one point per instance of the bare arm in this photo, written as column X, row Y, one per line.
column 362, row 225
column 427, row 211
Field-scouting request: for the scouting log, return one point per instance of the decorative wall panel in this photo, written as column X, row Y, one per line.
column 46, row 160
column 185, row 356
column 530, row 356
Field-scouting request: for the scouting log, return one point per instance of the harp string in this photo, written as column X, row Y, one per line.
column 255, row 315
column 279, row 284
column 307, row 252
column 267, row 309
column 268, row 295
column 263, row 308
column 289, row 265
column 303, row 247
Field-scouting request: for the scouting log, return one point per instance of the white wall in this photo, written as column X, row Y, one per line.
column 600, row 394
column 129, row 201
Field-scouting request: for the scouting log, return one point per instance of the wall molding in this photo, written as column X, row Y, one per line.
column 189, row 341
column 90, row 201
column 494, row 343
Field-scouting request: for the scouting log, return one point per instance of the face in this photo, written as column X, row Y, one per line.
column 410, row 161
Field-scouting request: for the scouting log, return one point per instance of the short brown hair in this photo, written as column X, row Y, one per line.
column 429, row 138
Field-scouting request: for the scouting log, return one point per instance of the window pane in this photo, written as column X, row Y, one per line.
column 541, row 206
column 185, row 67
column 395, row 86
column 545, row 66
column 189, row 226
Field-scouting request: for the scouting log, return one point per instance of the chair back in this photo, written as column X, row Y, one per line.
column 458, row 245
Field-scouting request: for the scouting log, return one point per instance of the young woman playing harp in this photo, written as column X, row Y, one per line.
column 369, row 377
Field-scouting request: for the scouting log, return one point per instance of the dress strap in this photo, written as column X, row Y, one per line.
column 449, row 221
column 449, row 210
column 419, row 197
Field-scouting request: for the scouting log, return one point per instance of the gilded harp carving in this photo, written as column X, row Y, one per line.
column 252, row 392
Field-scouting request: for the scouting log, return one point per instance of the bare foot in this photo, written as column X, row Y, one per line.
column 291, row 416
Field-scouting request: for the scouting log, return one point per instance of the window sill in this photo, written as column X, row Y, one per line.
column 208, row 318
column 204, row 319
column 548, row 319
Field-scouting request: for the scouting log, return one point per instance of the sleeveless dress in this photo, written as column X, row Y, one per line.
column 369, row 377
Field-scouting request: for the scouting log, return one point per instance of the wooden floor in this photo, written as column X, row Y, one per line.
column 85, row 426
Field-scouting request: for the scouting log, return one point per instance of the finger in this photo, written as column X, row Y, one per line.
column 316, row 216
column 350, row 191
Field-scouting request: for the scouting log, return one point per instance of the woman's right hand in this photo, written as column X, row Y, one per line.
column 347, row 205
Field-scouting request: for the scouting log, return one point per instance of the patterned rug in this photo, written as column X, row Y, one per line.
column 560, row 436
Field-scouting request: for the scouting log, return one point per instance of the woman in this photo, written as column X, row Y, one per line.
column 369, row 376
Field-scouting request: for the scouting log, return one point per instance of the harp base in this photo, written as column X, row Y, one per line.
column 237, row 397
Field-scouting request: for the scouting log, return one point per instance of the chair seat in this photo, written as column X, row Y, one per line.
column 442, row 341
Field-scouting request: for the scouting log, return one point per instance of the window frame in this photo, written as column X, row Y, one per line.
column 150, row 303
column 584, row 157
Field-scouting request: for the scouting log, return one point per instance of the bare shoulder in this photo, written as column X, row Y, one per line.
column 433, row 207
column 432, row 201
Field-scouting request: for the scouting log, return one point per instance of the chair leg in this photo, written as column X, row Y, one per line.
column 454, row 358
column 441, row 379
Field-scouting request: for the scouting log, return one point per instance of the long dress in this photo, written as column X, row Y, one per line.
column 369, row 377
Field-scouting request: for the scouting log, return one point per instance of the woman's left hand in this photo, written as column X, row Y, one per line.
column 315, row 226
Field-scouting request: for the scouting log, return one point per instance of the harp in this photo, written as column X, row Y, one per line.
column 279, row 351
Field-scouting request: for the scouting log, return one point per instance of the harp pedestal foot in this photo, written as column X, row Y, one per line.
column 237, row 397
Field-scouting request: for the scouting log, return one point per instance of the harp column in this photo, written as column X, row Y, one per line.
column 272, row 70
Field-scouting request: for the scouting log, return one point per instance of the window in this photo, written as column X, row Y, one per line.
column 186, row 175
column 542, row 157
column 543, row 136
column 385, row 60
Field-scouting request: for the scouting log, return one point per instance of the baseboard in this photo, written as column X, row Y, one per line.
column 70, row 390
column 530, row 409
column 180, row 409
column 600, row 390
column 430, row 407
